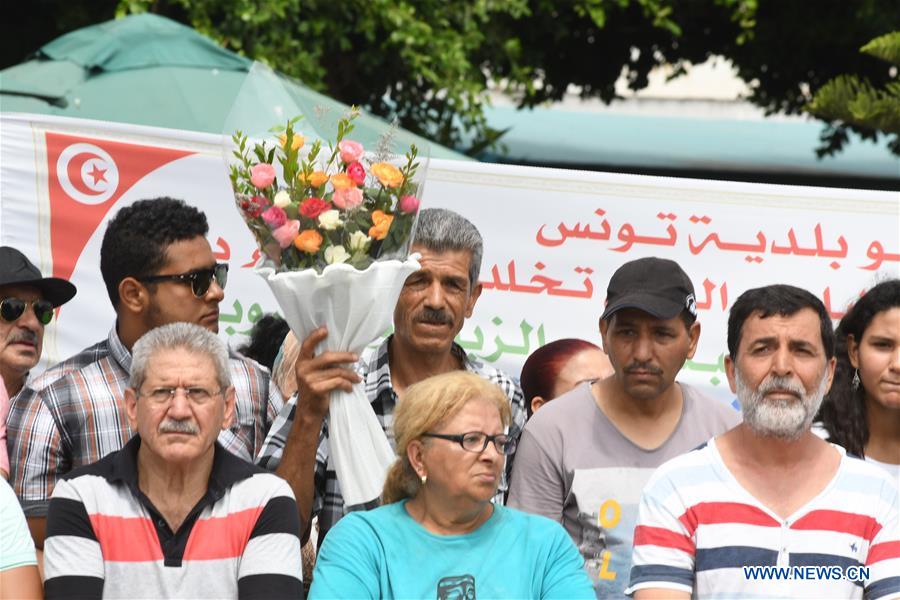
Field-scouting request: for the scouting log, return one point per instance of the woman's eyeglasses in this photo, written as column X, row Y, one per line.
column 476, row 441
column 199, row 280
column 13, row 308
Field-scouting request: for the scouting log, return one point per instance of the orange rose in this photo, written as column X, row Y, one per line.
column 342, row 181
column 296, row 141
column 308, row 241
column 380, row 225
column 316, row 178
column 387, row 174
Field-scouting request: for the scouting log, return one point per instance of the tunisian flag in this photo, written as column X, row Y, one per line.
column 86, row 177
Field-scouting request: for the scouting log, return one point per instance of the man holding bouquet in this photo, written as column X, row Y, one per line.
column 430, row 312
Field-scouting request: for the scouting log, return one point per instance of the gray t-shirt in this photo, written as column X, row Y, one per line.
column 574, row 466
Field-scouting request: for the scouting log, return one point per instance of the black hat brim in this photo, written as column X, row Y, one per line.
column 57, row 291
column 661, row 308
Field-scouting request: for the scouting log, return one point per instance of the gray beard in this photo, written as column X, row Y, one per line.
column 782, row 419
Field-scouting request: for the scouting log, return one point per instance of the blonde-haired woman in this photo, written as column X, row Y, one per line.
column 438, row 534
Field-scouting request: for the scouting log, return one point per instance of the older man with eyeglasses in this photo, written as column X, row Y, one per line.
column 173, row 514
column 158, row 268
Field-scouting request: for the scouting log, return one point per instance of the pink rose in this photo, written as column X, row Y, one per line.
column 262, row 175
column 347, row 198
column 350, row 151
column 357, row 173
column 286, row 234
column 274, row 217
column 409, row 204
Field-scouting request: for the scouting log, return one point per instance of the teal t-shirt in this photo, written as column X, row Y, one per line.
column 385, row 553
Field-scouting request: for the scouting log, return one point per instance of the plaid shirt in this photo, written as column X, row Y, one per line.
column 328, row 503
column 78, row 417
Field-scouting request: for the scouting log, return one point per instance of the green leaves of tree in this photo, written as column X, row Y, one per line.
column 856, row 101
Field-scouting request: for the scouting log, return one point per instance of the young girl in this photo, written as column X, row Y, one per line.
column 862, row 410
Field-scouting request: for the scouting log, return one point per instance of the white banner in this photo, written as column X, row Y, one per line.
column 552, row 237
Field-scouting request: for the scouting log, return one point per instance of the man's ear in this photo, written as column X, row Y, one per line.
column 228, row 416
column 131, row 407
column 133, row 296
column 604, row 327
column 729, row 372
column 474, row 294
column 694, row 333
column 536, row 403
column 832, row 364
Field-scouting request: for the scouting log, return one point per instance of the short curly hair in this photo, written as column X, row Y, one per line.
column 136, row 239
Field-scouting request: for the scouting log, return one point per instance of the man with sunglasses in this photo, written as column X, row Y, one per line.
column 158, row 268
column 27, row 301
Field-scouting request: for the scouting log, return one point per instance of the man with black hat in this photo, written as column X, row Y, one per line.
column 27, row 301
column 583, row 459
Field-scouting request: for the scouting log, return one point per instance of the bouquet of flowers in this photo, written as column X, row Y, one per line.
column 334, row 226
column 324, row 211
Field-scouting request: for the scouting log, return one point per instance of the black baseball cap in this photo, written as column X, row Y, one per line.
column 656, row 286
column 16, row 269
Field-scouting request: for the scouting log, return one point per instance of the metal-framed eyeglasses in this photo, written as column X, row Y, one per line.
column 165, row 395
column 199, row 280
column 12, row 308
column 477, row 441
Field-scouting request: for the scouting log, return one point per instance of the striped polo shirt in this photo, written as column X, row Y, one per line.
column 105, row 538
column 698, row 529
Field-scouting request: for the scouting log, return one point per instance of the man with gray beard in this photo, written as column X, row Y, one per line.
column 768, row 509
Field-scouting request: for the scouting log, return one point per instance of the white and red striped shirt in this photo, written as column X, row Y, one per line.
column 105, row 538
column 698, row 529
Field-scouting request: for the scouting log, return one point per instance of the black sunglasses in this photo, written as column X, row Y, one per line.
column 199, row 280
column 13, row 308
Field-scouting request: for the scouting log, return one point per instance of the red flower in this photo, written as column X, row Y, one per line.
column 313, row 207
column 357, row 173
column 254, row 206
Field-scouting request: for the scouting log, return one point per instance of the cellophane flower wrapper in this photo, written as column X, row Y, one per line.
column 332, row 201
column 356, row 307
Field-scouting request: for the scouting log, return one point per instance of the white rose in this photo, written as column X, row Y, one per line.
column 358, row 241
column 330, row 219
column 336, row 254
column 281, row 199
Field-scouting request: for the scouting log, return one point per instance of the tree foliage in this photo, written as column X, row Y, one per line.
column 26, row 26
column 412, row 60
column 430, row 62
column 850, row 99
column 799, row 46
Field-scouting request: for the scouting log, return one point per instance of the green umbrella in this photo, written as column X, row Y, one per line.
column 149, row 70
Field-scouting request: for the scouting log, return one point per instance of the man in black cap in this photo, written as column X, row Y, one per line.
column 583, row 459
column 27, row 301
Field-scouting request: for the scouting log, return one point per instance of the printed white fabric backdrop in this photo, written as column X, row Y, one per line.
column 552, row 237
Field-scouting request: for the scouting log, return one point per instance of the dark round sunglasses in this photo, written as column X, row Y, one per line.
column 13, row 308
column 199, row 280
